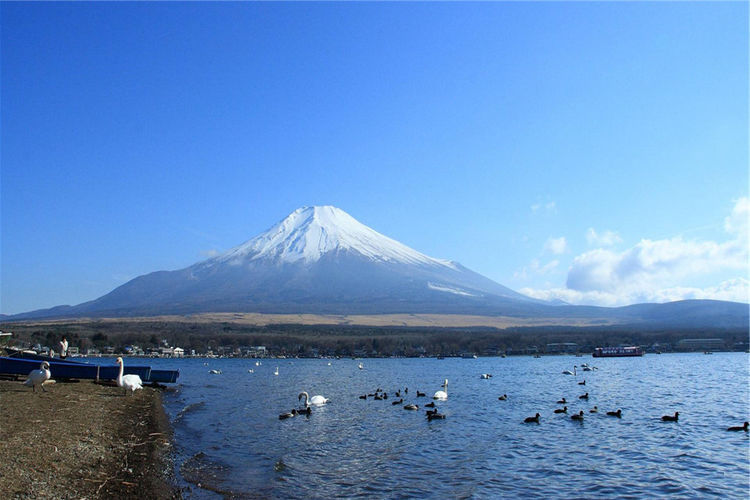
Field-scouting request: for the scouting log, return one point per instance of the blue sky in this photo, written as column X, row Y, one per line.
column 594, row 152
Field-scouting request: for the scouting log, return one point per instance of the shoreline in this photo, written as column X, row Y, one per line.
column 83, row 439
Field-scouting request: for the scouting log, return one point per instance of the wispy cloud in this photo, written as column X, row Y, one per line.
column 210, row 253
column 604, row 239
column 656, row 270
column 556, row 246
column 543, row 207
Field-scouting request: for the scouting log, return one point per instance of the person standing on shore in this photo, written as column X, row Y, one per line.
column 64, row 347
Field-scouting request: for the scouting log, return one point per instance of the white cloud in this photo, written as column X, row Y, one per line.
column 545, row 207
column 556, row 246
column 536, row 267
column 657, row 270
column 210, row 253
column 735, row 290
column 605, row 239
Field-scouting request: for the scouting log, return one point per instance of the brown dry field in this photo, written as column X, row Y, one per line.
column 83, row 440
column 393, row 320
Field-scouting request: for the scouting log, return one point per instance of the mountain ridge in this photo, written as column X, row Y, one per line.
column 320, row 260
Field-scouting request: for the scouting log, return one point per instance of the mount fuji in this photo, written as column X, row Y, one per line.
column 320, row 260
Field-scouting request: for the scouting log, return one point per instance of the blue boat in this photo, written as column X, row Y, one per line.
column 159, row 376
column 65, row 369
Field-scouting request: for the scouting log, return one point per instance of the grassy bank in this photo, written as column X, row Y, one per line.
column 83, row 440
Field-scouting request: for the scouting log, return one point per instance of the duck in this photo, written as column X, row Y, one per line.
column 670, row 418
column 579, row 416
column 743, row 427
column 504, row 397
column 562, row 410
column 431, row 404
column 595, row 409
column 421, row 394
column 435, row 416
column 584, row 396
column 411, row 407
column 307, row 410
column 582, row 382
column 485, row 376
column 38, row 377
column 398, row 402
column 290, row 414
column 363, row 396
column 377, row 397
column 534, row 419
column 617, row 413
column 214, row 372
column 562, row 401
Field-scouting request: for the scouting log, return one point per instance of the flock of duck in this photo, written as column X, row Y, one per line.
column 378, row 395
column 442, row 395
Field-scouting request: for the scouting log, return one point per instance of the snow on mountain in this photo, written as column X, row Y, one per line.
column 308, row 233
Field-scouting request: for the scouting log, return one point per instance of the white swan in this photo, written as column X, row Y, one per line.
column 315, row 400
column 131, row 381
column 442, row 395
column 38, row 377
column 568, row 372
column 360, row 366
column 277, row 371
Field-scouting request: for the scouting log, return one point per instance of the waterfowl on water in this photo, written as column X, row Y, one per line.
column 398, row 402
column 582, row 383
column 670, row 418
column 290, row 414
column 584, row 396
column 411, row 407
column 431, row 404
column 442, row 395
column 743, row 427
column 562, row 401
column 617, row 413
column 315, row 400
column 485, row 376
column 568, row 372
column 534, row 419
column 421, row 394
column 503, row 397
column 577, row 417
column 364, row 396
column 595, row 409
column 562, row 410
column 434, row 415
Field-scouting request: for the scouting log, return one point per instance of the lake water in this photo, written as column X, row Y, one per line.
column 230, row 441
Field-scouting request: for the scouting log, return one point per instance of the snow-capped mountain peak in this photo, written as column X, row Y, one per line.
column 308, row 233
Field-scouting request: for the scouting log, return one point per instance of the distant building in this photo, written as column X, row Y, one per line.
column 568, row 347
column 701, row 345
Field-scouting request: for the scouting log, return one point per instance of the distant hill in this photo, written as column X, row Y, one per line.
column 320, row 260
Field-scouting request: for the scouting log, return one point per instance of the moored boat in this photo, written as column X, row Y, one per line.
column 617, row 352
column 22, row 362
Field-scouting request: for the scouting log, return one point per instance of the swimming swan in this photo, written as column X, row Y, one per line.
column 315, row 400
column 131, row 381
column 38, row 377
column 442, row 395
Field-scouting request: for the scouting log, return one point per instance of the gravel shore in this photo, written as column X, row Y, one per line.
column 83, row 440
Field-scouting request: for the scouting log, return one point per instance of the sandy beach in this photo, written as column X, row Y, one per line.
column 83, row 440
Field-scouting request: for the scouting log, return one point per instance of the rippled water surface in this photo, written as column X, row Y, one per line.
column 230, row 441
